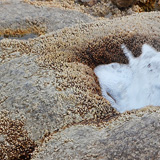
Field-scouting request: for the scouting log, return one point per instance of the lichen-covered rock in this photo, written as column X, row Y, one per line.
column 51, row 88
column 95, row 43
column 49, row 81
column 97, row 8
column 36, row 20
column 50, row 98
column 14, row 140
column 131, row 136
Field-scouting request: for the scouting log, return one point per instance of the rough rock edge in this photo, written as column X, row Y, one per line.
column 128, row 118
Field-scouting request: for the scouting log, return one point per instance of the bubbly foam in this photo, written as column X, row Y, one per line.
column 134, row 85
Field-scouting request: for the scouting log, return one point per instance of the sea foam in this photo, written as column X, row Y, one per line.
column 134, row 85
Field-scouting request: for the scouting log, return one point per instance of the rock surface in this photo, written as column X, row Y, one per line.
column 123, row 3
column 38, row 20
column 135, row 138
column 48, row 87
column 88, row 2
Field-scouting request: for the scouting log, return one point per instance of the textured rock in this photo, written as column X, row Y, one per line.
column 157, row 5
column 45, row 99
column 148, row 5
column 88, row 2
column 123, row 3
column 134, row 136
column 91, row 46
column 104, row 8
column 49, row 81
column 50, row 88
column 14, row 140
column 37, row 20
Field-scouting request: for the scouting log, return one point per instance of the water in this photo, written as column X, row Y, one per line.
column 132, row 86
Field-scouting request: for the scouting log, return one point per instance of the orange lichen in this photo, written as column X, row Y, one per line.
column 19, row 32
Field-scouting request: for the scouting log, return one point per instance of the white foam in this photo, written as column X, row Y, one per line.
column 132, row 86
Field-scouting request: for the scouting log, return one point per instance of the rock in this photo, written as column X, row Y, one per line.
column 88, row 2
column 123, row 3
column 148, row 5
column 14, row 140
column 137, row 137
column 36, row 20
column 51, row 81
column 96, row 8
column 44, row 96
column 48, row 82
column 157, row 5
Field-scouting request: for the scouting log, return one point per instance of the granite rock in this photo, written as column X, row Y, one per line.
column 48, row 87
column 134, row 138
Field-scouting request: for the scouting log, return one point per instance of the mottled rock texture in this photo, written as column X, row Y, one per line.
column 88, row 2
column 37, row 20
column 133, row 136
column 97, row 8
column 47, row 84
column 149, row 5
column 123, row 3
column 14, row 140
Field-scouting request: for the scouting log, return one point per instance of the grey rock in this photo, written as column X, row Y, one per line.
column 137, row 138
column 46, row 19
column 33, row 90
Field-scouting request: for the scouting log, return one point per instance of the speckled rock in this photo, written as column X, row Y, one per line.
column 127, row 137
column 50, row 80
column 35, row 92
column 49, row 83
column 149, row 5
column 97, row 8
column 87, row 2
column 37, row 20
column 14, row 140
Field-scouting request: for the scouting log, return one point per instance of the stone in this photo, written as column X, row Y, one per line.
column 47, row 83
column 123, row 3
column 135, row 138
column 88, row 2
